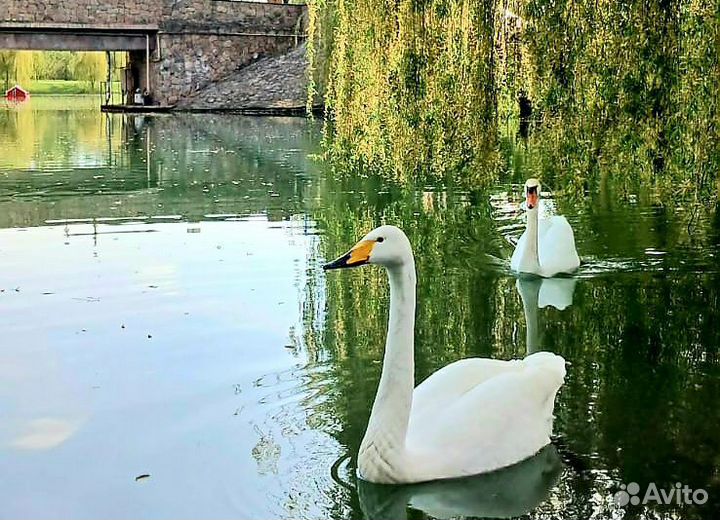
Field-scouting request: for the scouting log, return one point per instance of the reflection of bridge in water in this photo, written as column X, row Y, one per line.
column 175, row 47
column 189, row 166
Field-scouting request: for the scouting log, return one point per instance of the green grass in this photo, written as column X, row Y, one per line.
column 49, row 87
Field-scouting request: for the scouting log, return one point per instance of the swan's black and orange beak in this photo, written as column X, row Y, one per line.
column 532, row 197
column 357, row 256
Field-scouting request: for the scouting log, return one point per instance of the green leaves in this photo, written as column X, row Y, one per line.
column 408, row 85
column 426, row 88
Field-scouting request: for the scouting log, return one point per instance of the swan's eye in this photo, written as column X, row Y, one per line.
column 380, row 239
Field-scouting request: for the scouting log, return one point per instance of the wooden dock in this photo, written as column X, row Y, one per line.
column 136, row 109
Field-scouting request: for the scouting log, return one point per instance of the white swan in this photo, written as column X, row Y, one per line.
column 472, row 416
column 547, row 247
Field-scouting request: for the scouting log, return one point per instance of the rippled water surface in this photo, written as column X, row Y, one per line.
column 171, row 348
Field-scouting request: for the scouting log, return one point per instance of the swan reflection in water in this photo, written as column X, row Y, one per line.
column 538, row 293
column 506, row 493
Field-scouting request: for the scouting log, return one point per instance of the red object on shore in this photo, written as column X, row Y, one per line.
column 17, row 94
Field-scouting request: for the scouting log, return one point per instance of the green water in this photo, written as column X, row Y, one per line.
column 163, row 312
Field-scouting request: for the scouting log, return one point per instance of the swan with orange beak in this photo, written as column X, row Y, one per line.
column 547, row 247
column 473, row 416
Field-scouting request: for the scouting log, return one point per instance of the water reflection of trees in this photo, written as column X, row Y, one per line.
column 143, row 166
column 34, row 135
column 639, row 402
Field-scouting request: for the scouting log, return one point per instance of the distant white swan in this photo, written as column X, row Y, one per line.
column 547, row 247
column 472, row 416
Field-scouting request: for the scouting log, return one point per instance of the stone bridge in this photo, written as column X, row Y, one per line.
column 188, row 44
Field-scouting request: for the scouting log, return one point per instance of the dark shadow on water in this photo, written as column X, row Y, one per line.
column 506, row 493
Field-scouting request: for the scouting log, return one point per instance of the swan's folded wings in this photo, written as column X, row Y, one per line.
column 502, row 419
column 557, row 247
column 453, row 381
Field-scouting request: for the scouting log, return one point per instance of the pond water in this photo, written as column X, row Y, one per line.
column 171, row 347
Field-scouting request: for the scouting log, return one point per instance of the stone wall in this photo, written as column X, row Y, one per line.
column 276, row 84
column 204, row 41
column 99, row 12
column 228, row 16
column 169, row 15
column 191, row 62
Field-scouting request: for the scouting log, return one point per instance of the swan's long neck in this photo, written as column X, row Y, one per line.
column 531, row 259
column 385, row 437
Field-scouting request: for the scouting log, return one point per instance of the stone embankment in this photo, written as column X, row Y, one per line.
column 276, row 84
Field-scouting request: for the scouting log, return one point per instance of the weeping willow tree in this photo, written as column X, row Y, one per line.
column 627, row 91
column 90, row 66
column 622, row 91
column 407, row 85
column 16, row 66
column 21, row 67
column 7, row 65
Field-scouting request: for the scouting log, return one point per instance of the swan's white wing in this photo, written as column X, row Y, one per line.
column 502, row 420
column 556, row 247
column 453, row 381
column 519, row 252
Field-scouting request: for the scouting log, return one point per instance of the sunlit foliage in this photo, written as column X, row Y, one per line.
column 23, row 66
column 408, row 85
column 7, row 67
column 627, row 90
column 621, row 90
column 90, row 67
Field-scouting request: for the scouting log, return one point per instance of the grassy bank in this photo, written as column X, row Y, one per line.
column 49, row 87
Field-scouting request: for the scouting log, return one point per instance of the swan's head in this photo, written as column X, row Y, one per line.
column 532, row 193
column 387, row 246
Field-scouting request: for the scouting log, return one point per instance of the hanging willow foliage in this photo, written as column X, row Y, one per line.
column 628, row 92
column 619, row 90
column 408, row 85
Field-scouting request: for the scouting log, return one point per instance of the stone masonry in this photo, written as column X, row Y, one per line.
column 272, row 84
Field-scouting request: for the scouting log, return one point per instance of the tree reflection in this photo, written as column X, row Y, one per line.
column 81, row 164
column 638, row 403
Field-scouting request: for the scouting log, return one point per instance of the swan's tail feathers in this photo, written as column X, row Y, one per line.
column 550, row 369
column 547, row 360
